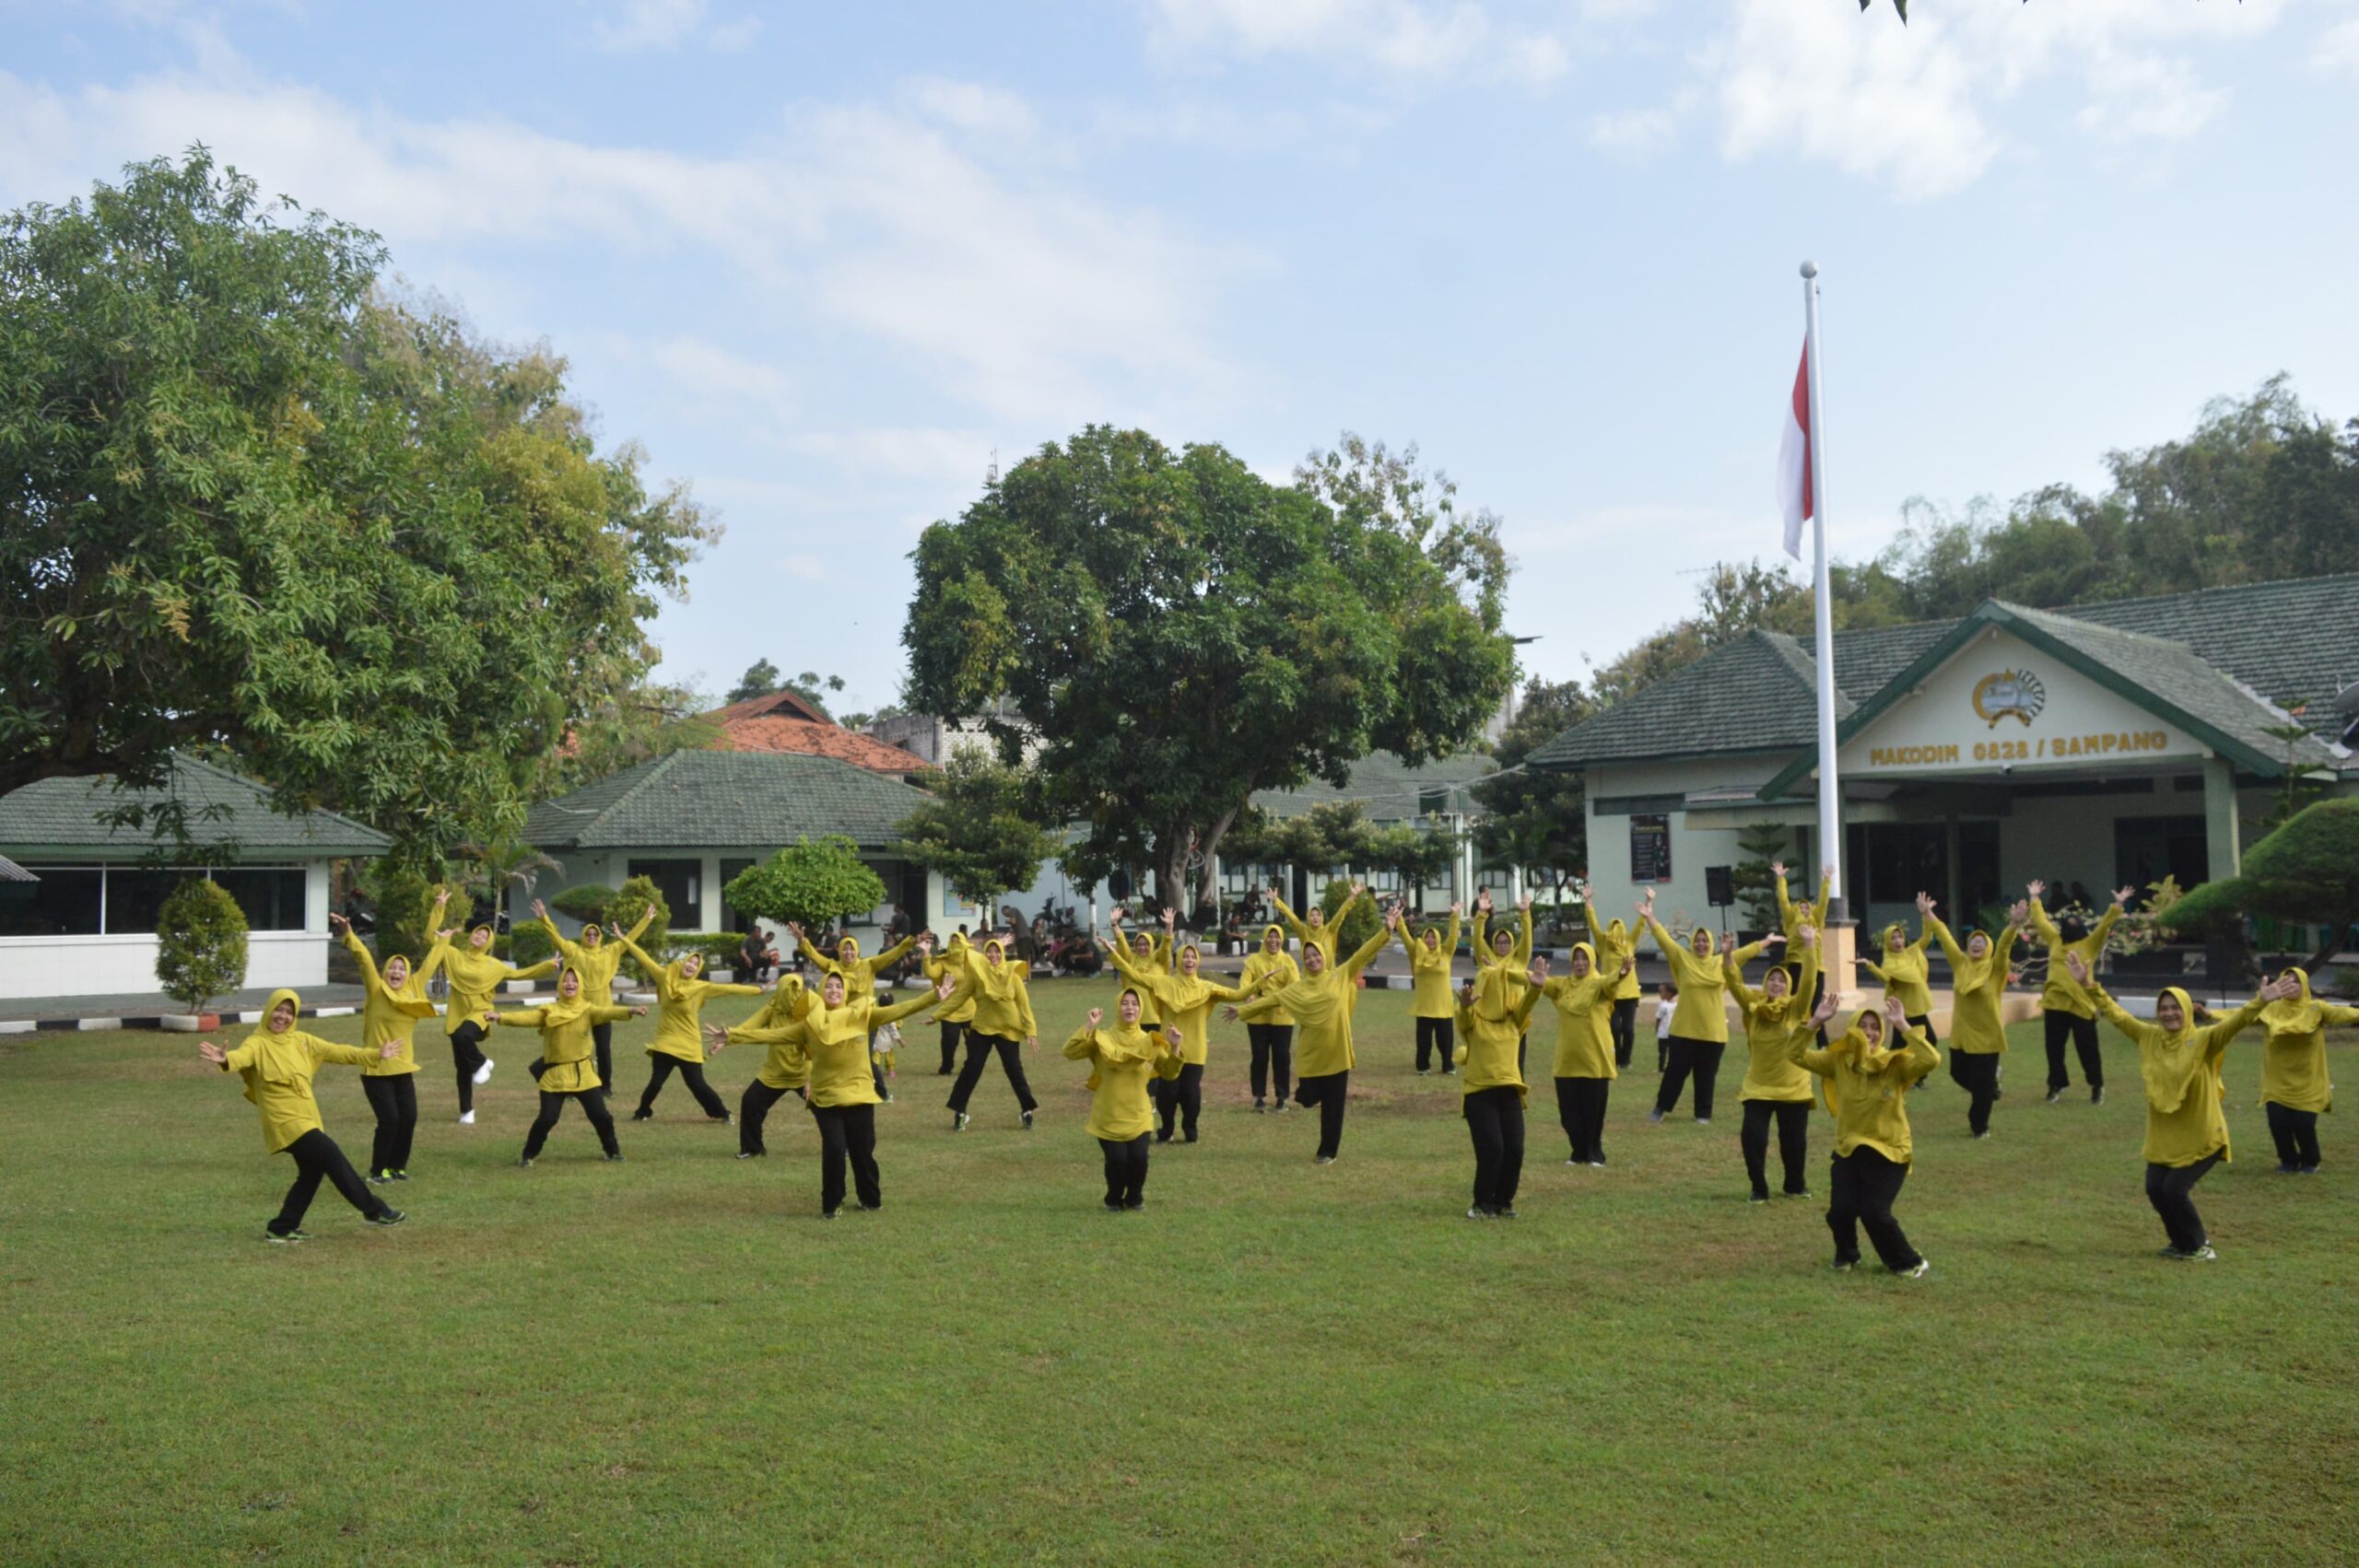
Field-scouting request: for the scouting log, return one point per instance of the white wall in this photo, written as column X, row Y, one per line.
column 103, row 966
column 1694, row 844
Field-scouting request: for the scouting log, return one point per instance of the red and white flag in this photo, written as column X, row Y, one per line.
column 1793, row 460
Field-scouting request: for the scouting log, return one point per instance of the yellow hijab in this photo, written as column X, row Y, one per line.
column 2301, row 1016
column 277, row 1059
column 2169, row 1065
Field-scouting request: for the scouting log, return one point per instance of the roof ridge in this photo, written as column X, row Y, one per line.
column 2034, row 612
column 2350, row 578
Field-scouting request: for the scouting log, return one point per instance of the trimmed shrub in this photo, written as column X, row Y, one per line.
column 201, row 944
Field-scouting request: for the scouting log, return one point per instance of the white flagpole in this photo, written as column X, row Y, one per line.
column 1830, row 797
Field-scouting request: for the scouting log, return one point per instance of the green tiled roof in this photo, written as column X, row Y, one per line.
column 701, row 798
column 62, row 814
column 2220, row 657
column 1389, row 788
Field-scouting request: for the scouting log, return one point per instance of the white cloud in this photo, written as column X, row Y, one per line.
column 1404, row 36
column 2338, row 48
column 639, row 26
column 1633, row 131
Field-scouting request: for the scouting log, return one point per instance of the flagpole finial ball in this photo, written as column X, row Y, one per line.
column 1810, row 269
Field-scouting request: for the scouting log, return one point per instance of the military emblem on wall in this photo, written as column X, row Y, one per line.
column 2008, row 694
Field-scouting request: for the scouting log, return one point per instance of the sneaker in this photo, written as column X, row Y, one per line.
column 1919, row 1272
column 401, row 1175
column 751, row 1154
column 2055, row 1094
column 1113, row 1205
column 1261, row 1107
column 959, row 1121
column 524, row 1163
column 1577, row 1161
column 725, row 1118
column 2286, row 1170
column 1450, row 1072
column 1322, row 1160
column 1478, row 1213
column 466, row 1118
column 1598, row 1163
column 1981, row 1135
column 2203, row 1254
column 870, row 1207
column 1424, row 1072
column 1280, row 1107
column 483, row 1073
column 829, row 1213
column 386, row 1217
column 613, row 1158
column 1505, row 1211
column 1844, row 1265
column 378, row 1178
column 2309, row 1170
column 1028, row 1123
column 1758, row 1198
column 1703, row 1121
column 642, row 1114
column 1800, row 1192
column 282, row 1238
column 1133, row 1206
column 888, row 1096
column 2097, row 1095
column 1654, row 1115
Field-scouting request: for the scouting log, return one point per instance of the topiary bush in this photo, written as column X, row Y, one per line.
column 528, row 943
column 1359, row 925
column 588, row 903
column 201, row 944
column 809, row 885
column 637, row 896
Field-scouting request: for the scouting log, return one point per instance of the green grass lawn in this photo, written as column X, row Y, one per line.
column 673, row 1360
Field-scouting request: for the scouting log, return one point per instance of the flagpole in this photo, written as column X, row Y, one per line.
column 1830, row 793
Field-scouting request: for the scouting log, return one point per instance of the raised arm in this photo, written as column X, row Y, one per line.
column 2041, row 925
column 435, row 957
column 1801, row 1049
column 2138, row 1029
column 532, row 972
column 893, row 954
column 1826, row 896
column 1732, row 970
column 662, row 980
column 1370, row 948
column 822, row 962
column 2104, row 928
column 1522, row 957
column 1287, row 917
column 1950, row 949
column 1483, row 956
column 343, row 1055
column 371, row 981
column 924, row 1001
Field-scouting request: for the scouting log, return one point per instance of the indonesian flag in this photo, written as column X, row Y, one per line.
column 1793, row 460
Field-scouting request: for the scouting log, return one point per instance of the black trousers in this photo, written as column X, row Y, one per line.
column 316, row 1155
column 1978, row 1073
column 979, row 1047
column 2296, row 1134
column 847, row 1132
column 752, row 1110
column 1179, row 1098
column 1702, row 1060
column 1580, row 1108
column 950, row 1032
column 1495, row 1121
column 1125, row 1171
column 1863, row 1187
column 467, row 1059
column 1793, row 1142
column 1329, row 1092
column 1273, row 1049
column 1438, row 1036
column 1625, row 1029
column 394, row 1099
column 663, row 1065
column 602, row 1035
column 2171, row 1190
column 594, row 1105
column 2083, row 1033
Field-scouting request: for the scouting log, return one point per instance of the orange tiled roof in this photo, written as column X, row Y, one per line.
column 771, row 732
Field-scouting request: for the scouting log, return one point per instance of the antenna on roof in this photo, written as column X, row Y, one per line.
column 991, row 475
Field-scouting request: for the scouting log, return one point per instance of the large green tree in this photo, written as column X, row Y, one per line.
column 978, row 831
column 1531, row 818
column 1180, row 633
column 247, row 501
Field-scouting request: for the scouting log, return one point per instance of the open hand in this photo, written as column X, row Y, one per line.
column 1777, row 870
column 1924, row 904
column 389, row 1050
column 212, row 1053
column 2034, row 887
column 2123, row 895
column 2017, row 913
column 1810, row 936
column 2078, row 966
column 339, row 924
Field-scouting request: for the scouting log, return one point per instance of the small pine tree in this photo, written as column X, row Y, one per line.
column 1762, row 844
column 200, row 944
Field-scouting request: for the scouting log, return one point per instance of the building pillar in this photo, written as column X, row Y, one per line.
column 2221, row 849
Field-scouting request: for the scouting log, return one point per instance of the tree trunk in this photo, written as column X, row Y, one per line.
column 1212, row 837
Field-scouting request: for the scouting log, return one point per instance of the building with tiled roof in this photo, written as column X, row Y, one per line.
column 783, row 721
column 2102, row 745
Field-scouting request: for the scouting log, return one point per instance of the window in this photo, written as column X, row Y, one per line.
column 136, row 896
column 64, row 902
column 2148, row 849
column 1903, row 859
column 731, row 919
column 272, row 896
column 680, row 884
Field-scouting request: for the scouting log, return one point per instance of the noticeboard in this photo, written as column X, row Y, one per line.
column 1649, row 849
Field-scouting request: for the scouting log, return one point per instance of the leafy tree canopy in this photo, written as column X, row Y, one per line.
column 978, row 830
column 1536, row 820
column 1181, row 633
column 808, row 884
column 250, row 501
column 200, row 944
column 2307, row 872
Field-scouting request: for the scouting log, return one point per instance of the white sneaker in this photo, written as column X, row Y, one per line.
column 1919, row 1272
column 483, row 1073
column 466, row 1118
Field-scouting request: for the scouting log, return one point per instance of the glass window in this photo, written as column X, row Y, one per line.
column 272, row 896
column 678, row 881
column 2147, row 848
column 136, row 896
column 64, row 903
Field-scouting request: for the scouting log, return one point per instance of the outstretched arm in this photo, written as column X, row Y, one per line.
column 892, row 954
column 1287, row 917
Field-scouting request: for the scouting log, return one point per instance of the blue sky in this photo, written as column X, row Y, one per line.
column 822, row 262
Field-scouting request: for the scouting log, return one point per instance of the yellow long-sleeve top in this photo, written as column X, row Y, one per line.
column 1489, row 1031
column 858, row 972
column 1791, row 915
column 1323, row 936
column 1901, row 970
column 1866, row 1087
column 1003, row 1000
column 1185, row 1002
column 1770, row 1027
column 2293, row 1060
column 1266, row 972
column 2062, row 993
column 952, row 961
column 1322, row 1005
column 1121, row 1058
column 1976, row 986
column 1614, row 943
column 1701, row 1012
column 679, row 1015
column 2184, row 1122
column 1429, row 990
column 787, row 1064
column 1155, row 962
column 596, row 965
column 1518, row 961
column 835, row 1040
column 476, row 977
column 565, row 1043
column 1584, row 1021
column 391, row 1014
column 277, row 1070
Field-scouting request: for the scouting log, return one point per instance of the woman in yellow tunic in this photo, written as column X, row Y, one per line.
column 950, row 967
column 1867, row 1072
column 1322, row 931
column 784, row 1071
column 860, row 974
column 1184, row 1002
column 2186, row 1132
column 396, row 1001
column 1613, row 943
column 476, row 976
column 1503, row 948
column 678, row 1046
column 596, row 961
column 1774, row 1088
column 2065, row 1010
column 568, row 1057
column 1793, row 917
column 1700, row 1022
column 1495, row 1015
column 1004, row 1024
column 842, row 1091
column 1903, row 972
column 1977, row 984
column 277, row 1061
column 1584, row 1067
column 1125, row 1063
column 1320, row 1003
column 1271, row 968
column 1431, row 1001
column 2293, row 1084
